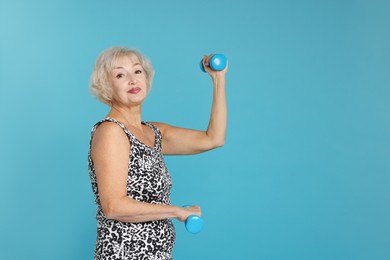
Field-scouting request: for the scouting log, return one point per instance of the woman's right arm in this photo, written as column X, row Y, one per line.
column 110, row 153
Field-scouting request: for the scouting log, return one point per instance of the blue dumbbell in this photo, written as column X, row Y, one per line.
column 194, row 223
column 217, row 62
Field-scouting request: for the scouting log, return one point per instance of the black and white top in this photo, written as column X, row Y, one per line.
column 148, row 181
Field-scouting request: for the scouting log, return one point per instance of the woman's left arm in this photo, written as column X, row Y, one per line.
column 182, row 141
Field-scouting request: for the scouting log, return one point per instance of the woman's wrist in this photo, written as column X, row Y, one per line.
column 219, row 81
column 218, row 77
column 176, row 211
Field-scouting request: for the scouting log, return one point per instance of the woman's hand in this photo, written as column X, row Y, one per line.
column 213, row 73
column 184, row 213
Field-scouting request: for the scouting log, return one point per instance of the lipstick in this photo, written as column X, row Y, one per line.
column 134, row 90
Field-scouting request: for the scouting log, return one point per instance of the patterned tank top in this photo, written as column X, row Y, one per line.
column 149, row 181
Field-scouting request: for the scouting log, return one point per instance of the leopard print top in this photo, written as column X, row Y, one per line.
column 148, row 181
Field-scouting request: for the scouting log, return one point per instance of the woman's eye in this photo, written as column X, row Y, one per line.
column 120, row 75
column 138, row 71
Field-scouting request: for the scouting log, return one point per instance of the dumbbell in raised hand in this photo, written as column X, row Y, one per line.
column 217, row 62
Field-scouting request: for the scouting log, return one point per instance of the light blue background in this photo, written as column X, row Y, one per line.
column 305, row 172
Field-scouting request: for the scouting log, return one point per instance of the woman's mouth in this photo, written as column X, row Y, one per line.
column 134, row 90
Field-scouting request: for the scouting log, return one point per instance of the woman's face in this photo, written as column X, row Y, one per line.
column 128, row 82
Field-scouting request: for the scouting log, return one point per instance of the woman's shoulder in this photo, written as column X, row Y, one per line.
column 108, row 129
column 108, row 138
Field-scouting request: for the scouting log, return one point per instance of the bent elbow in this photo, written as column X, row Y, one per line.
column 109, row 211
column 219, row 143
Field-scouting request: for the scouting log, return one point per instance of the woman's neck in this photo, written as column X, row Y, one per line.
column 130, row 116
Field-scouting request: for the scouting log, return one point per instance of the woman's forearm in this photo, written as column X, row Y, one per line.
column 218, row 119
column 129, row 210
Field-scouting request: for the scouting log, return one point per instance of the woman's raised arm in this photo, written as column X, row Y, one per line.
column 178, row 140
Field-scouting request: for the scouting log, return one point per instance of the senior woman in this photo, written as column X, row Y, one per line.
column 129, row 178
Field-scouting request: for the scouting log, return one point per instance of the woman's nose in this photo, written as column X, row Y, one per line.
column 132, row 81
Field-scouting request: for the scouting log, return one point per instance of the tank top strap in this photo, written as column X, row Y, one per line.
column 110, row 119
column 157, row 134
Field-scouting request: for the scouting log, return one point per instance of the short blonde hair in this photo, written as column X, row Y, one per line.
column 100, row 85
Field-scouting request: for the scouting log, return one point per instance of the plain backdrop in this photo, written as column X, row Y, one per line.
column 304, row 173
